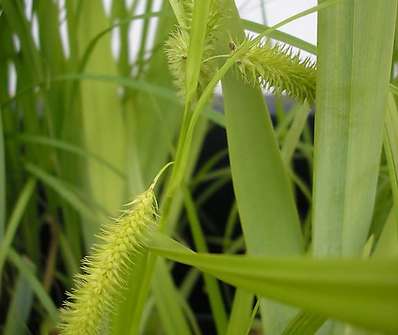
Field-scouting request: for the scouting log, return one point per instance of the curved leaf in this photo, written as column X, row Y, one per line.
column 361, row 292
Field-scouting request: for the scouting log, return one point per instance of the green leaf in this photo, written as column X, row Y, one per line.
column 280, row 36
column 14, row 11
column 304, row 323
column 387, row 244
column 265, row 200
column 135, row 84
column 19, row 308
column 25, row 269
column 122, row 319
column 2, row 180
column 168, row 302
column 101, row 113
column 357, row 291
column 352, row 87
column 240, row 318
column 293, row 135
column 196, row 45
column 64, row 190
column 212, row 287
column 391, row 148
column 15, row 219
column 140, row 61
column 42, row 140
column 178, row 11
column 91, row 46
column 145, row 110
column 216, row 117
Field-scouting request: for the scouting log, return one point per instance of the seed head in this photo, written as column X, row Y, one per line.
column 278, row 68
column 106, row 270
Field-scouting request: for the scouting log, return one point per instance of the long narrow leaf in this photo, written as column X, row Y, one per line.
column 42, row 140
column 265, row 200
column 240, row 314
column 167, row 302
column 361, row 292
column 213, row 289
column 65, row 192
column 15, row 219
column 304, row 323
column 19, row 308
column 196, row 45
column 391, row 148
column 294, row 133
column 351, row 94
column 26, row 272
column 2, row 180
column 103, row 132
column 280, row 36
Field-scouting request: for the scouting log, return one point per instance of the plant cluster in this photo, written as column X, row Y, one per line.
column 311, row 252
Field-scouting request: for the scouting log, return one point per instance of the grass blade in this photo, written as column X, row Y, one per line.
column 103, row 131
column 15, row 219
column 293, row 135
column 91, row 46
column 361, row 292
column 259, row 177
column 42, row 140
column 280, row 36
column 196, row 46
column 168, row 302
column 304, row 323
column 387, row 244
column 19, row 308
column 213, row 289
column 24, row 267
column 2, row 181
column 351, row 95
column 391, row 148
column 374, row 25
column 240, row 318
column 66, row 193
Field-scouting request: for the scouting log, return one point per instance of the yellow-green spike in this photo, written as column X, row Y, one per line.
column 98, row 289
column 278, row 68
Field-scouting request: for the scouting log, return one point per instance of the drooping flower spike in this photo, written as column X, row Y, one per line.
column 278, row 68
column 104, row 273
column 275, row 67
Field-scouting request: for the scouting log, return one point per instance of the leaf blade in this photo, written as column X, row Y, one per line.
column 361, row 292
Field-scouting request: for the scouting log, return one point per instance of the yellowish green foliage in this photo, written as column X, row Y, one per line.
column 103, row 131
column 88, row 142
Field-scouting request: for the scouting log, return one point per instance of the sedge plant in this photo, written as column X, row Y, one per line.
column 330, row 270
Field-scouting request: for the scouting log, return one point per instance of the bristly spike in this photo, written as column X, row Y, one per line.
column 178, row 43
column 96, row 291
column 278, row 68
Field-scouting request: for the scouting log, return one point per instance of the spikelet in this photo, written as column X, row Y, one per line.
column 178, row 43
column 91, row 302
column 277, row 68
